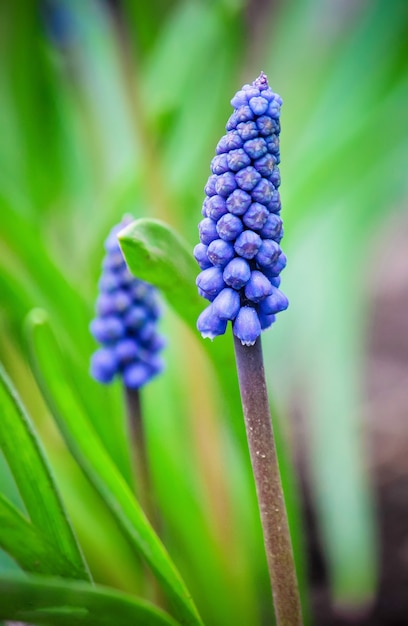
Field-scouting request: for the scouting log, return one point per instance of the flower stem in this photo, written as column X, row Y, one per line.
column 138, row 446
column 268, row 483
column 141, row 470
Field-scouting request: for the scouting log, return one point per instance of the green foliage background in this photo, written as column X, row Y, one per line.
column 108, row 108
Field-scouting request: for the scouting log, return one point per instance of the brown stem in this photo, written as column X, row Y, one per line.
column 141, row 469
column 138, row 447
column 265, row 467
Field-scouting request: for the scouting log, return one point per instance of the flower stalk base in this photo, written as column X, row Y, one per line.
column 140, row 460
column 268, row 483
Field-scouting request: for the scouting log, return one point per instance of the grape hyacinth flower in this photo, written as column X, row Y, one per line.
column 241, row 227
column 241, row 259
column 126, row 322
column 126, row 326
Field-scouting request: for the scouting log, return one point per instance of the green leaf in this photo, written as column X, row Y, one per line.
column 35, row 481
column 158, row 255
column 55, row 602
column 29, row 276
column 91, row 455
column 26, row 544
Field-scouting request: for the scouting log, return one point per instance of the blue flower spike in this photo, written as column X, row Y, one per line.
column 239, row 251
column 240, row 258
column 126, row 323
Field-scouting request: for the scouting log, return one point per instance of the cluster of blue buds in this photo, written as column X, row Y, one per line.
column 239, row 253
column 126, row 323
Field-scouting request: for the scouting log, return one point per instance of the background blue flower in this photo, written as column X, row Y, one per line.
column 126, row 323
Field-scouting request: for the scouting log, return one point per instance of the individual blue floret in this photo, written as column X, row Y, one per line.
column 210, row 324
column 216, row 207
column 220, row 252
column 256, row 148
column 247, row 326
column 247, row 130
column 237, row 273
column 107, row 329
column 229, row 227
column 219, row 164
column 274, row 303
column 227, row 304
column 208, row 230
column 229, row 142
column 272, row 228
column 210, row 281
column 238, row 202
column 247, row 244
column 264, row 190
column 237, row 159
column 268, row 253
column 248, row 178
column 210, row 186
column 258, row 287
column 126, row 323
column 239, row 251
column 259, row 105
column 265, row 164
column 104, row 365
column 256, row 216
column 225, row 184
column 200, row 255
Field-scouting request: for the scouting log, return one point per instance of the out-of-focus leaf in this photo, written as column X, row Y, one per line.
column 97, row 64
column 35, row 482
column 188, row 107
column 26, row 544
column 156, row 253
column 27, row 254
column 56, row 602
column 194, row 24
column 28, row 269
column 86, row 447
column 30, row 153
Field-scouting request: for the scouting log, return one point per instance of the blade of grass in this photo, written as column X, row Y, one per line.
column 53, row 602
column 35, row 481
column 87, row 449
column 26, row 544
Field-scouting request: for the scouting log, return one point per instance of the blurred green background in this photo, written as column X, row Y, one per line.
column 115, row 107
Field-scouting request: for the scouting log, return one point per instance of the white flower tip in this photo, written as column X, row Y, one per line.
column 248, row 343
column 208, row 335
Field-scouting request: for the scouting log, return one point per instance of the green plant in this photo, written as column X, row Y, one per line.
column 119, row 112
